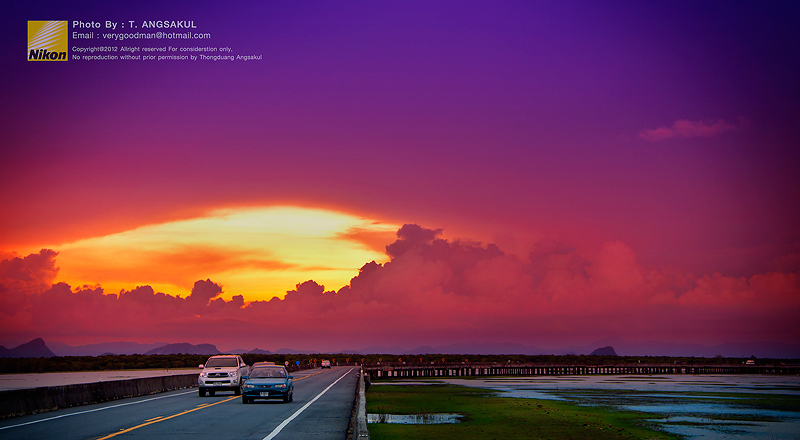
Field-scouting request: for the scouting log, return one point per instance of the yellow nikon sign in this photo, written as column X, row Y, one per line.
column 47, row 41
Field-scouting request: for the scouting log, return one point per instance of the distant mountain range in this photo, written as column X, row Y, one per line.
column 62, row 349
column 34, row 348
column 38, row 348
column 774, row 350
column 185, row 348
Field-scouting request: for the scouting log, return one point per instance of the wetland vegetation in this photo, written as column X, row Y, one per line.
column 487, row 416
column 700, row 407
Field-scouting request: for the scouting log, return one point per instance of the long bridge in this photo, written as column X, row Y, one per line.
column 376, row 371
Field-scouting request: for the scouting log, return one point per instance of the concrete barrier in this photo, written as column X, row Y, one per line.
column 35, row 400
column 362, row 433
column 358, row 420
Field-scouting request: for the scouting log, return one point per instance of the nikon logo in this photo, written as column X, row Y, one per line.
column 47, row 41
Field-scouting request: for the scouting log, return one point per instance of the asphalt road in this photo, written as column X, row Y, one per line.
column 323, row 401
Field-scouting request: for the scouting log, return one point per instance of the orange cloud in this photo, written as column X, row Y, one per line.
column 431, row 291
column 260, row 252
column 373, row 239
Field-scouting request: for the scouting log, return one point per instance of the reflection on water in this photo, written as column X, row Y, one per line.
column 695, row 407
column 414, row 419
column 705, row 428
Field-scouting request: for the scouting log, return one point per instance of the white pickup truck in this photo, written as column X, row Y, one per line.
column 222, row 373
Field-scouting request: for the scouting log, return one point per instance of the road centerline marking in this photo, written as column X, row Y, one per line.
column 33, row 422
column 93, row 410
column 146, row 423
column 283, row 424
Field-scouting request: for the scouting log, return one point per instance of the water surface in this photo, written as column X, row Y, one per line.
column 707, row 407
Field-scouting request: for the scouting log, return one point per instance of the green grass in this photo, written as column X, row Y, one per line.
column 488, row 417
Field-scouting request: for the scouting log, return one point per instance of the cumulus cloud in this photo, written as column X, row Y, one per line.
column 683, row 128
column 615, row 269
column 30, row 274
column 20, row 277
column 431, row 291
column 203, row 292
column 409, row 237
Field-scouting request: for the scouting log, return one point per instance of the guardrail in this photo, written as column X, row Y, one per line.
column 35, row 400
column 407, row 371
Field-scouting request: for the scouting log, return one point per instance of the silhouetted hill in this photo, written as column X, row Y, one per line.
column 37, row 348
column 33, row 349
column 604, row 351
column 761, row 349
column 185, row 348
column 244, row 351
column 259, row 351
column 774, row 350
column 474, row 349
column 61, row 349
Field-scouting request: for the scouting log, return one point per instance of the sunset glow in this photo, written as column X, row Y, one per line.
column 256, row 252
column 550, row 174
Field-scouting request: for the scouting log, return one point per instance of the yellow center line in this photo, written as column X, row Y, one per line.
column 304, row 377
column 201, row 406
column 156, row 420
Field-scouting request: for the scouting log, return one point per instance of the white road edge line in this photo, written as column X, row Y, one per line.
column 93, row 410
column 280, row 427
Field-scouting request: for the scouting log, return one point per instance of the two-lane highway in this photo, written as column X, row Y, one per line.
column 323, row 400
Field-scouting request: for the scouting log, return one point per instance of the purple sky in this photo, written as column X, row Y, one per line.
column 671, row 127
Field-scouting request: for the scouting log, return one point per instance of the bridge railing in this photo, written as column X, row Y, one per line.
column 386, row 371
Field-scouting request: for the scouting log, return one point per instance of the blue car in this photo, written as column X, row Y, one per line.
column 267, row 382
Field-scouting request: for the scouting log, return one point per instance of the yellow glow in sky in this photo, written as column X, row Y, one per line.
column 255, row 252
